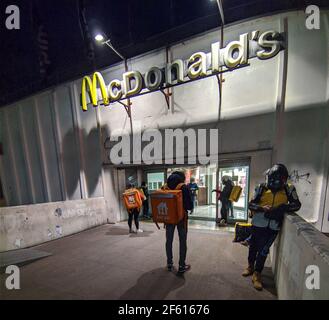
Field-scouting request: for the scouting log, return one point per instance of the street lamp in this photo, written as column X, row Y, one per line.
column 100, row 37
column 220, row 9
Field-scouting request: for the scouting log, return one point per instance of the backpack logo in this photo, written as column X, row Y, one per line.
column 131, row 199
column 162, row 209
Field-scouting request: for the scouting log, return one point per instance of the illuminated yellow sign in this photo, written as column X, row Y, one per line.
column 92, row 86
column 263, row 45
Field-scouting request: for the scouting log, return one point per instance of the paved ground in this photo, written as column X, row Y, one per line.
column 108, row 263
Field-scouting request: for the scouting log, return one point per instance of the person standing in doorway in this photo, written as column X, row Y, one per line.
column 176, row 178
column 193, row 186
column 224, row 196
column 146, row 200
column 271, row 201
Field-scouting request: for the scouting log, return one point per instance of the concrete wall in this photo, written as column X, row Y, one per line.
column 299, row 245
column 25, row 226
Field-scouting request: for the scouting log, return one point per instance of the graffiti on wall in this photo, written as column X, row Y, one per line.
column 297, row 178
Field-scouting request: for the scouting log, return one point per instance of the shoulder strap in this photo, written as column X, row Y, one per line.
column 179, row 186
column 259, row 192
column 289, row 189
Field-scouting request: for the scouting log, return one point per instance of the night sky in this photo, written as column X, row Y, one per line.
column 134, row 27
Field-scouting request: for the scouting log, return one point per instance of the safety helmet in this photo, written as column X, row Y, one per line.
column 180, row 174
column 276, row 177
column 226, row 179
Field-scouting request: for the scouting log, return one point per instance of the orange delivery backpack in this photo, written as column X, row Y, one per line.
column 167, row 205
column 132, row 199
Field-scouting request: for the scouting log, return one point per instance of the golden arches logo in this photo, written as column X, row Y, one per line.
column 92, row 88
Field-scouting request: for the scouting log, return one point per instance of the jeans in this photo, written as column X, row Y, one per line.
column 230, row 208
column 225, row 209
column 259, row 246
column 182, row 234
column 134, row 213
column 145, row 208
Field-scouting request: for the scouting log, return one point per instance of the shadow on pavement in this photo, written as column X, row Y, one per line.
column 143, row 234
column 118, row 231
column 155, row 285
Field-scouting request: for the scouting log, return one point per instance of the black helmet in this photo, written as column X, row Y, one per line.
column 226, row 179
column 276, row 177
column 181, row 175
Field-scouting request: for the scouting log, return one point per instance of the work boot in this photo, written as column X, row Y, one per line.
column 248, row 271
column 183, row 269
column 222, row 222
column 245, row 243
column 257, row 281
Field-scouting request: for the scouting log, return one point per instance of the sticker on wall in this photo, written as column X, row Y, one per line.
column 59, row 231
column 58, row 212
column 18, row 243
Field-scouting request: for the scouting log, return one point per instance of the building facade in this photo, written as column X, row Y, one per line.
column 54, row 170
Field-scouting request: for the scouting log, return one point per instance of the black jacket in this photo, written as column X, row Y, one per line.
column 172, row 182
column 277, row 213
column 226, row 192
column 146, row 192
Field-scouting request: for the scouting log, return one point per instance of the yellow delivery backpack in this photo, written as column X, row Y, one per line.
column 132, row 199
column 242, row 231
column 235, row 193
column 167, row 205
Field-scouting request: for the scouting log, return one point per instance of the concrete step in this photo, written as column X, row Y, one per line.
column 20, row 257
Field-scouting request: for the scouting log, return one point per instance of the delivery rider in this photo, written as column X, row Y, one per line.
column 133, row 213
column 176, row 178
column 271, row 201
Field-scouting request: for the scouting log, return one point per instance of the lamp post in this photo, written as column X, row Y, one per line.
column 220, row 85
column 221, row 11
column 101, row 38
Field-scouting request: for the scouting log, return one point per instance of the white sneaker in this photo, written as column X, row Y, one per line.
column 131, row 231
column 140, row 230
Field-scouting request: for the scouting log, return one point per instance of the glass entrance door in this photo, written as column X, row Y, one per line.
column 240, row 177
column 203, row 182
column 155, row 180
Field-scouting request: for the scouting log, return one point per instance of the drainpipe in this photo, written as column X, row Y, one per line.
column 220, row 86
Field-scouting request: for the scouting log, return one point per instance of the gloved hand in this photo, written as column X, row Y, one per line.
column 276, row 213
